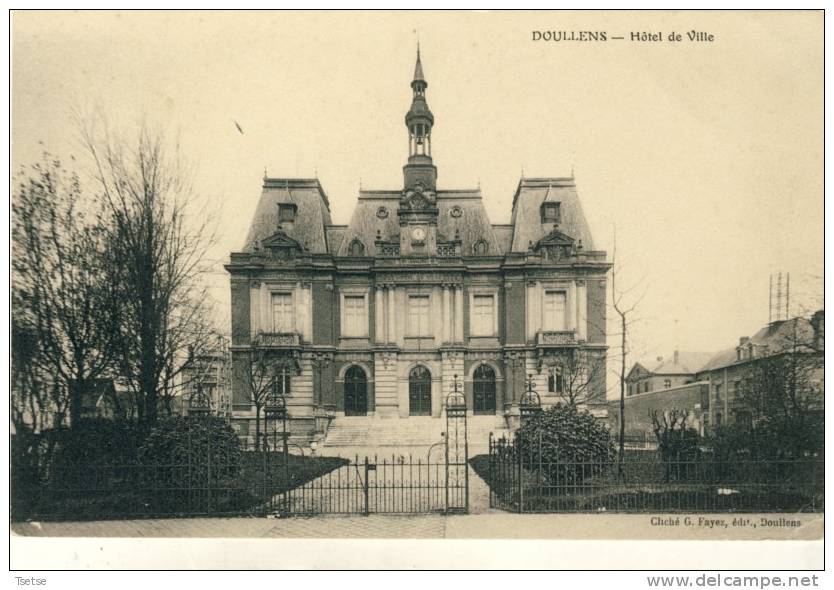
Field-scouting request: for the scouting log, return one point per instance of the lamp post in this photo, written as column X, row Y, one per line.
column 531, row 403
column 199, row 404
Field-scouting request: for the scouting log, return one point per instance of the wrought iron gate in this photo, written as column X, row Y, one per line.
column 437, row 482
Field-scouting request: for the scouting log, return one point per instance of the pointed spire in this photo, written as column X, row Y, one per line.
column 418, row 69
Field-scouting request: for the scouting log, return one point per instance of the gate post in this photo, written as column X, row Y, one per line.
column 365, row 486
column 520, row 454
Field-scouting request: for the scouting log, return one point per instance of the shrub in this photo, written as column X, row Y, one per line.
column 565, row 445
column 189, row 464
column 779, row 438
column 192, row 442
column 96, row 441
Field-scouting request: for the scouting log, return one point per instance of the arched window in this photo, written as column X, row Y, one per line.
column 419, row 391
column 484, row 390
column 356, row 392
column 480, row 248
column 356, row 248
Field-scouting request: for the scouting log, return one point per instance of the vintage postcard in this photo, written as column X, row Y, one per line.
column 538, row 275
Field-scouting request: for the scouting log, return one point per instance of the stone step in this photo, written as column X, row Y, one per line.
column 372, row 432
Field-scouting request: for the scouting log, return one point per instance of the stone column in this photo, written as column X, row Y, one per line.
column 459, row 313
column 447, row 313
column 379, row 316
column 582, row 310
column 266, row 311
column 392, row 318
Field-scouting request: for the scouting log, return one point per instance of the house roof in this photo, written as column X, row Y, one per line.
column 526, row 215
column 312, row 214
column 774, row 338
column 686, row 363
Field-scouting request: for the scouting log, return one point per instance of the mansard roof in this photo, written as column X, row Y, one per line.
column 471, row 225
column 312, row 213
column 461, row 214
column 526, row 218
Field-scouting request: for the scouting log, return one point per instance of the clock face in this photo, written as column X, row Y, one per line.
column 418, row 234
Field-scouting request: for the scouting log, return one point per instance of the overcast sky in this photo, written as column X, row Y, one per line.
column 707, row 157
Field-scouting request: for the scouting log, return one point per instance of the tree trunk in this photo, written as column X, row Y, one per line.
column 622, row 390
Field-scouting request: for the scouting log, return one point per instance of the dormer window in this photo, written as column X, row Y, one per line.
column 286, row 212
column 356, row 248
column 551, row 212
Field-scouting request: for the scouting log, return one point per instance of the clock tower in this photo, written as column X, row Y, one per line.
column 418, row 203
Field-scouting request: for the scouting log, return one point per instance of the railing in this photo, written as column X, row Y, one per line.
column 447, row 250
column 278, row 339
column 386, row 250
column 556, row 338
column 532, row 478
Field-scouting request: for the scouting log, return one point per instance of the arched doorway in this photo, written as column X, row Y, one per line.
column 419, row 391
column 356, row 392
column 484, row 390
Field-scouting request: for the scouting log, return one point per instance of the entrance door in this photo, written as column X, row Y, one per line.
column 356, row 392
column 419, row 392
column 484, row 390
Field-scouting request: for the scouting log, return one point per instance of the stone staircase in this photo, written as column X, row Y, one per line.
column 349, row 435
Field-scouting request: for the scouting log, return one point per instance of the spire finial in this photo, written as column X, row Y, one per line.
column 418, row 68
column 264, row 172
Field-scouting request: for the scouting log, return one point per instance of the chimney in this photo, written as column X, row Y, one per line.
column 743, row 340
column 677, row 356
column 818, row 322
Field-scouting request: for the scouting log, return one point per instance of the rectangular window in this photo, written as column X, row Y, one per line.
column 281, row 382
column 286, row 212
column 282, row 318
column 554, row 381
column 419, row 319
column 667, row 383
column 550, row 212
column 555, row 303
column 355, row 318
column 483, row 315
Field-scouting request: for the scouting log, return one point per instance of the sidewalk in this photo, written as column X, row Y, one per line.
column 494, row 525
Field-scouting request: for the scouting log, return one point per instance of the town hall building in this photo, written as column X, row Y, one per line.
column 418, row 294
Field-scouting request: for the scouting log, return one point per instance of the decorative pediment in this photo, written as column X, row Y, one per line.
column 556, row 238
column 281, row 246
column 417, row 198
column 555, row 246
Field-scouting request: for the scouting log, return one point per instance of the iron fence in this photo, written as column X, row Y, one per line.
column 395, row 485
column 534, row 478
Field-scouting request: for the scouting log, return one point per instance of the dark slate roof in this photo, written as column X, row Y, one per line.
column 526, row 217
column 473, row 224
column 334, row 233
column 365, row 222
column 504, row 235
column 688, row 363
column 772, row 339
column 312, row 216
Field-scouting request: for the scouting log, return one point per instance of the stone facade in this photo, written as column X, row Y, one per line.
column 384, row 315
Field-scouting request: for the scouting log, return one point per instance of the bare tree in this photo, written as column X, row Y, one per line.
column 64, row 293
column 625, row 311
column 784, row 385
column 578, row 372
column 158, row 251
column 257, row 372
